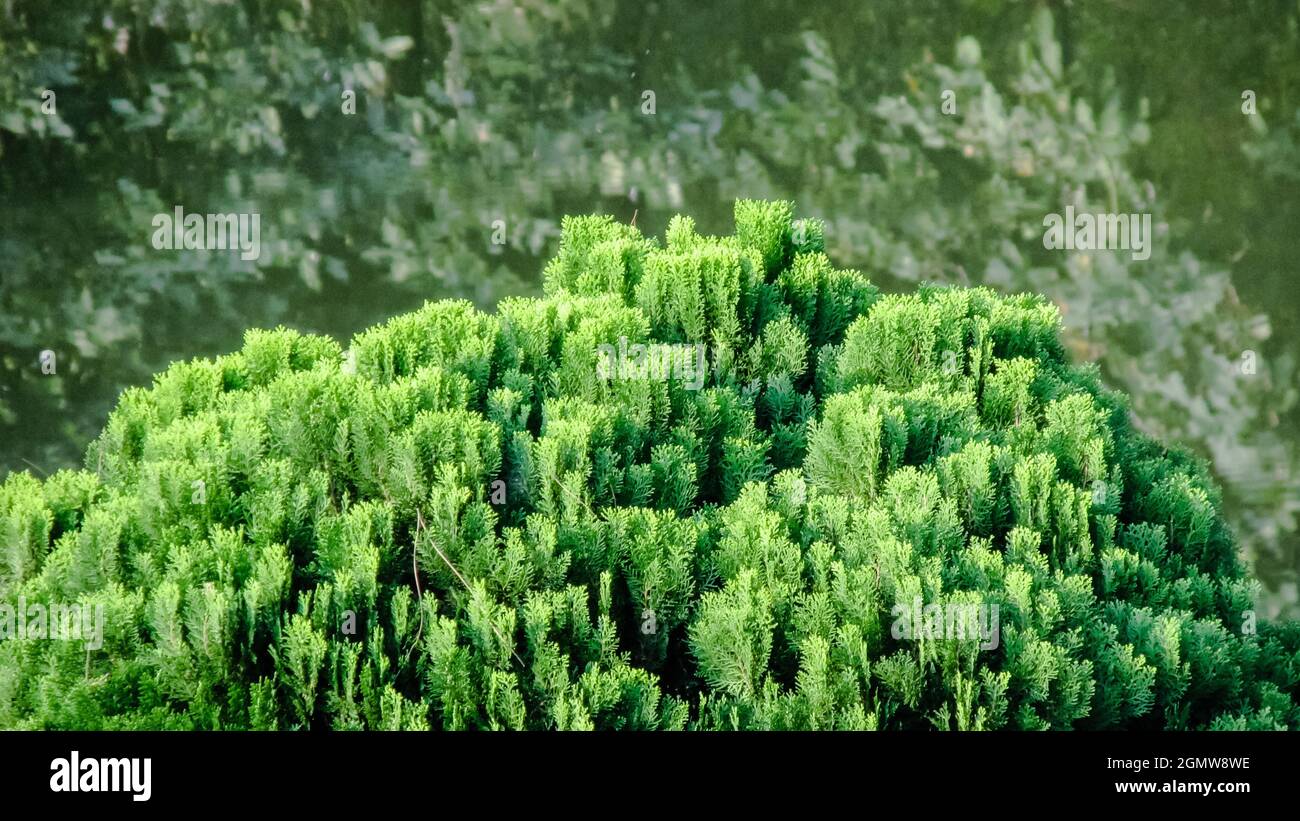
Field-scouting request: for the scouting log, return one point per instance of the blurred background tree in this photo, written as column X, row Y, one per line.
column 489, row 120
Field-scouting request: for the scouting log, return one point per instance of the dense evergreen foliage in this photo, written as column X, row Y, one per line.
column 465, row 521
column 477, row 124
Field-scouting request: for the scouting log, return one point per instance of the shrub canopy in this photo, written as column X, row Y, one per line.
column 527, row 520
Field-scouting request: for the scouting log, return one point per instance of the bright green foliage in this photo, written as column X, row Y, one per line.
column 463, row 523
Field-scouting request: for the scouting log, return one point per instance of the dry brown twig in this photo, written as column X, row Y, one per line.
column 420, row 528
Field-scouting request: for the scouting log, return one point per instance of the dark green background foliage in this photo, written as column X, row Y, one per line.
column 525, row 110
column 727, row 557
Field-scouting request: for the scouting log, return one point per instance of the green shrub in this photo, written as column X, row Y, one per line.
column 471, row 521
